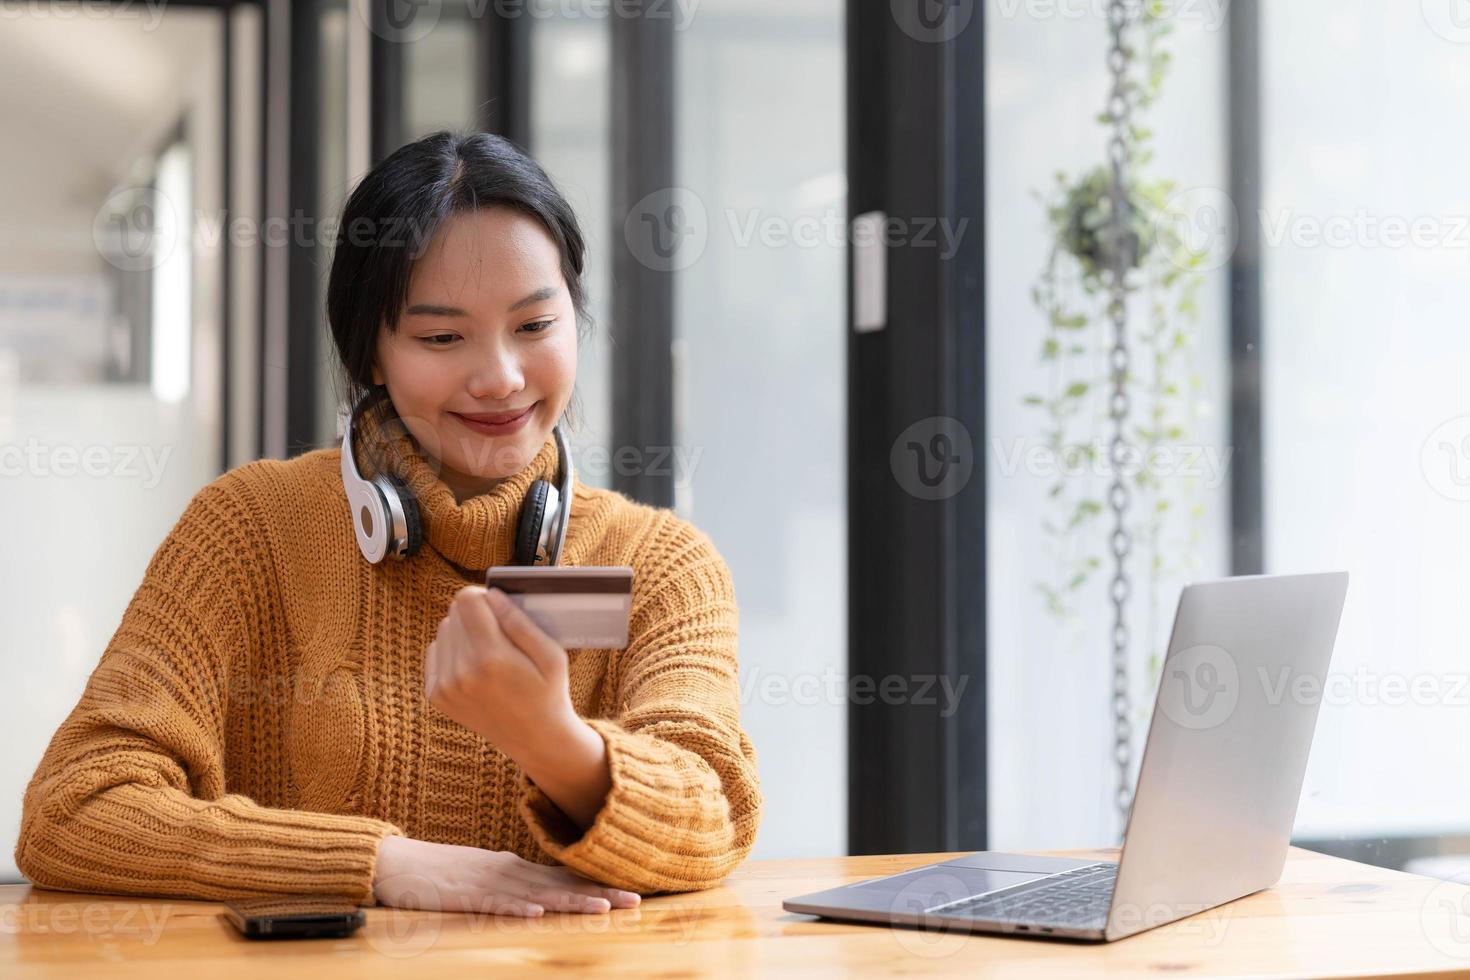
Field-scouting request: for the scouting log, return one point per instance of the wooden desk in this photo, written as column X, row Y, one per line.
column 1326, row 918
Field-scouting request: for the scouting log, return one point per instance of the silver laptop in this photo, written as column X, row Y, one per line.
column 1217, row 788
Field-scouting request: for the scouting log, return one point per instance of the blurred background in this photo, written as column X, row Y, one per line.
column 848, row 272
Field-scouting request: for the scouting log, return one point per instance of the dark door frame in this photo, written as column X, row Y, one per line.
column 1247, row 480
column 916, row 408
column 643, row 195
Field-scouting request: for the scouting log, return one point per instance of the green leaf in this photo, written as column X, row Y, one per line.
column 1085, row 509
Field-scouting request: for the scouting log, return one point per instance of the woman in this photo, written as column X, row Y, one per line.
column 276, row 714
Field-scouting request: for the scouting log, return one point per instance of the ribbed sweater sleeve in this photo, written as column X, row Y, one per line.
column 129, row 794
column 685, row 801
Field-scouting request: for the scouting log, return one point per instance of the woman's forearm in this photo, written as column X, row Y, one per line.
column 572, row 770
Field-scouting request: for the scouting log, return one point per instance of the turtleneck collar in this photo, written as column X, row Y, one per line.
column 477, row 533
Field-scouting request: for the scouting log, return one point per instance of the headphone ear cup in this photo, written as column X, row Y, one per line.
column 413, row 524
column 528, row 529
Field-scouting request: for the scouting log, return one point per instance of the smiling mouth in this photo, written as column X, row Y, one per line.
column 502, row 424
column 495, row 418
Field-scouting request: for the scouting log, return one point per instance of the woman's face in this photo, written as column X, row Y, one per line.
column 489, row 331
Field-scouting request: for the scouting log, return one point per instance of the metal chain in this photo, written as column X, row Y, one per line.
column 1121, row 255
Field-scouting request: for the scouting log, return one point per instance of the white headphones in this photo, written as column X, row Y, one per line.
column 386, row 520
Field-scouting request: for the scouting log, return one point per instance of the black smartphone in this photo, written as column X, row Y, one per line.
column 294, row 917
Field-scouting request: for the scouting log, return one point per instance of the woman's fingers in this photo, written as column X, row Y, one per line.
column 517, row 906
column 519, row 902
column 572, row 881
column 560, row 900
column 554, row 887
column 479, row 621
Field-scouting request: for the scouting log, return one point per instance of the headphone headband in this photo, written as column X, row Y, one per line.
column 564, row 494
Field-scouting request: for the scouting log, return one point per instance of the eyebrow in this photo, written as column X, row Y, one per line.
column 545, row 292
column 438, row 309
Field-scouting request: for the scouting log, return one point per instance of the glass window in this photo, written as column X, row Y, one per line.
column 570, row 138
column 761, row 379
column 1365, row 416
column 1366, row 411
column 110, row 335
column 1051, row 725
column 439, row 77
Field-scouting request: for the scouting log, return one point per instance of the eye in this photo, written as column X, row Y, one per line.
column 538, row 326
column 446, row 337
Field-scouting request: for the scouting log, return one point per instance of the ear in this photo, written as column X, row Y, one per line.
column 377, row 376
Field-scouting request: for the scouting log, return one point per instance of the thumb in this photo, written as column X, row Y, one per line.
column 545, row 652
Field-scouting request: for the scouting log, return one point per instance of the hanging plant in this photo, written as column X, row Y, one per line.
column 1160, row 288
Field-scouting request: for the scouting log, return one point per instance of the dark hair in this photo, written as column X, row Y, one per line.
column 394, row 212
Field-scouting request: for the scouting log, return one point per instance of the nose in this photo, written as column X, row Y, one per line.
column 497, row 376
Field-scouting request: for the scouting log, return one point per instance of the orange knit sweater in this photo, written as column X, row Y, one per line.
column 257, row 722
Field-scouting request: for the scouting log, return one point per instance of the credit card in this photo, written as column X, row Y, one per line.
column 585, row 607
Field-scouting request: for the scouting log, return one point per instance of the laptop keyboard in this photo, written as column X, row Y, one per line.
column 1078, row 898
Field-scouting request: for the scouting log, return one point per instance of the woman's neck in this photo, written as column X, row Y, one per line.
column 464, row 487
